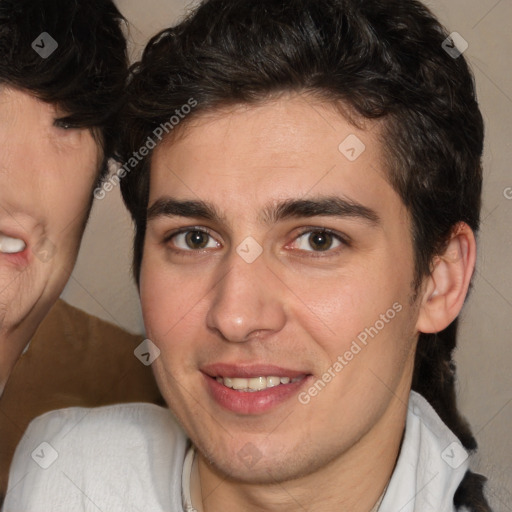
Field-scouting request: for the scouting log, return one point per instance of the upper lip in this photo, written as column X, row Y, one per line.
column 249, row 370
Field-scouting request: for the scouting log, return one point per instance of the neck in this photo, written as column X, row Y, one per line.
column 353, row 481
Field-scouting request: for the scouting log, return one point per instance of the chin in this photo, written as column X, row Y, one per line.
column 260, row 474
column 249, row 464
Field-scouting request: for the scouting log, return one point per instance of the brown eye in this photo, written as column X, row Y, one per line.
column 193, row 240
column 196, row 239
column 320, row 241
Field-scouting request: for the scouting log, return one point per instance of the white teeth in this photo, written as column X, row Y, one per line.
column 273, row 381
column 254, row 383
column 240, row 383
column 258, row 383
column 10, row 245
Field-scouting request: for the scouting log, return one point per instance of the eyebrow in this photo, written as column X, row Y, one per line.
column 331, row 206
column 168, row 207
column 319, row 207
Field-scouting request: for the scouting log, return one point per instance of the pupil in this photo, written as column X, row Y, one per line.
column 320, row 241
column 196, row 239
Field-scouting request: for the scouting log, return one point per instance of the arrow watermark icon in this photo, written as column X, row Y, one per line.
column 352, row 147
column 249, row 250
column 455, row 45
column 45, row 455
column 147, row 352
column 44, row 45
column 454, row 455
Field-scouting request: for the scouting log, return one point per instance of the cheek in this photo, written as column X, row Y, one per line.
column 359, row 306
column 156, row 298
column 67, row 176
column 337, row 305
column 170, row 301
column 76, row 172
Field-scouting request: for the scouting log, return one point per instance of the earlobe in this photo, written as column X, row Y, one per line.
column 447, row 286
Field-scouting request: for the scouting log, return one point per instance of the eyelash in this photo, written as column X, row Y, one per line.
column 189, row 252
column 63, row 124
column 344, row 241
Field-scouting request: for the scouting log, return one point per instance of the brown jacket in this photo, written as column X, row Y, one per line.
column 74, row 359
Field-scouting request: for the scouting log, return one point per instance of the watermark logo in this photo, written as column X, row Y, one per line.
column 249, row 455
column 249, row 250
column 455, row 45
column 44, row 250
column 44, row 45
column 44, row 455
column 147, row 352
column 352, row 147
column 454, row 455
column 355, row 348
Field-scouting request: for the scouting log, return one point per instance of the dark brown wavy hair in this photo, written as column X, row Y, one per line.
column 382, row 58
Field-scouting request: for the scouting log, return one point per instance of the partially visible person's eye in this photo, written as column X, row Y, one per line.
column 64, row 124
column 318, row 240
column 192, row 240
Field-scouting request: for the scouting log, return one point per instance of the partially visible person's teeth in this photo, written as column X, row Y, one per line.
column 255, row 383
column 10, row 245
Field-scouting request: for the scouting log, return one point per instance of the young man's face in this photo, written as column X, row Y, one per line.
column 46, row 176
column 332, row 285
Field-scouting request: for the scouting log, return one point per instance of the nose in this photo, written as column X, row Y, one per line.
column 247, row 302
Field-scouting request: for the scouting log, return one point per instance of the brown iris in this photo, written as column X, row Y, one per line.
column 196, row 239
column 320, row 241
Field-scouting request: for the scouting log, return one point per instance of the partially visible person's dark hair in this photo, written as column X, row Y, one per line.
column 86, row 74
column 383, row 59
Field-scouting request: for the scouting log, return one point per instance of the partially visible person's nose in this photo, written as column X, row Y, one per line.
column 247, row 302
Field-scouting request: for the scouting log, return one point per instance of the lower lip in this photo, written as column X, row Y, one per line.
column 19, row 259
column 256, row 402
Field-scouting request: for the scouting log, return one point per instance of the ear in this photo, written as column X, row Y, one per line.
column 447, row 286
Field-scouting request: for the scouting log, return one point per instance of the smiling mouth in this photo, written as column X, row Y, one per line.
column 254, row 384
column 10, row 245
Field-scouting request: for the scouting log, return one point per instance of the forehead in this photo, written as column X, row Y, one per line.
column 290, row 147
column 18, row 102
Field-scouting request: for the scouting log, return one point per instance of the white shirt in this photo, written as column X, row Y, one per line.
column 130, row 457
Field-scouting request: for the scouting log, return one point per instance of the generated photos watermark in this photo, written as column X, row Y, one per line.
column 44, row 45
column 137, row 156
column 355, row 348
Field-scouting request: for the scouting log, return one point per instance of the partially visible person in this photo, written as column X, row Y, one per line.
column 63, row 67
column 305, row 242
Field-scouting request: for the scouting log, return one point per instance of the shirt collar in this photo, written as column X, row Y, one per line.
column 431, row 464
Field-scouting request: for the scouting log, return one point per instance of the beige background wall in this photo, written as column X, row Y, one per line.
column 101, row 283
